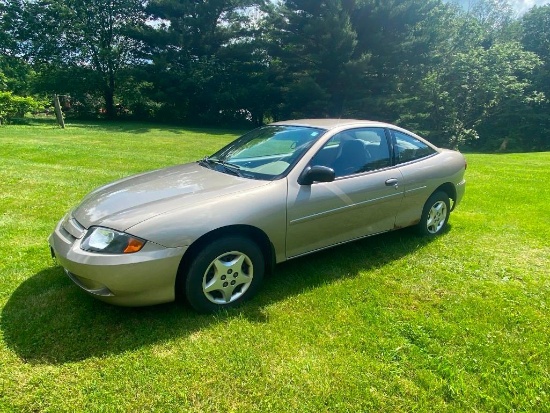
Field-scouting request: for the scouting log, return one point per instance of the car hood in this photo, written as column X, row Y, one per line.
column 125, row 203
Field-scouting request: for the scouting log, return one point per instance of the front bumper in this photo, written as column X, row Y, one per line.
column 143, row 278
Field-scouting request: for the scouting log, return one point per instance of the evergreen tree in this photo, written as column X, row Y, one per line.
column 193, row 51
column 315, row 45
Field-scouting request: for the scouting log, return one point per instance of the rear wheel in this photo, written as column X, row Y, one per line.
column 435, row 215
column 225, row 273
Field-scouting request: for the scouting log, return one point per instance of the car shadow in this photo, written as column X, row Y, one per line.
column 136, row 127
column 48, row 320
column 133, row 126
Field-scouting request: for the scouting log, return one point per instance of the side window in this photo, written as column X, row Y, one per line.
column 376, row 146
column 408, row 149
column 355, row 151
column 329, row 152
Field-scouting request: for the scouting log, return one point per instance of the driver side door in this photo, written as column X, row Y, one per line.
column 363, row 199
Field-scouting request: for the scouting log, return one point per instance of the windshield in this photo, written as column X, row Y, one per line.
column 265, row 153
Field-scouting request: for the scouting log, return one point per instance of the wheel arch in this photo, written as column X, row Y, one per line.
column 248, row 231
column 450, row 190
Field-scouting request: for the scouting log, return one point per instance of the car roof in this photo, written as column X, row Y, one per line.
column 330, row 123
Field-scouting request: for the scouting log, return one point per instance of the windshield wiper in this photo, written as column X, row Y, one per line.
column 227, row 166
column 206, row 161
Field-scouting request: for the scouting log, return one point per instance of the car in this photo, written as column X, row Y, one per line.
column 208, row 231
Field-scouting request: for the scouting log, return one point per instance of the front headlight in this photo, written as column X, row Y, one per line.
column 109, row 241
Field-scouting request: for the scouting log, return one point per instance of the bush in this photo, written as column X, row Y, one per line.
column 12, row 106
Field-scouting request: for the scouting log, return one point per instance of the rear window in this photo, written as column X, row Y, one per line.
column 407, row 148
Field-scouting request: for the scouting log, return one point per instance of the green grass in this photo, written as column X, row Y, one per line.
column 391, row 323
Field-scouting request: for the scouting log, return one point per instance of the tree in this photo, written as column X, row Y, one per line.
column 473, row 87
column 536, row 31
column 16, row 75
column 535, row 26
column 404, row 39
column 88, row 35
column 473, row 77
column 194, row 49
column 314, row 44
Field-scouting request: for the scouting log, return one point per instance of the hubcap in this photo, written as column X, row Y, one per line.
column 436, row 217
column 227, row 277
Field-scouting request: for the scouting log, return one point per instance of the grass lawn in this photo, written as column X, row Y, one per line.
column 391, row 323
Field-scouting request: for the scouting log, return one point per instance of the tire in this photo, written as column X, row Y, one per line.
column 224, row 274
column 435, row 215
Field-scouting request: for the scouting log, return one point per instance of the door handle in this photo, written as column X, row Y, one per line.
column 392, row 182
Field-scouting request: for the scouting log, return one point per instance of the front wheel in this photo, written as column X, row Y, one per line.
column 435, row 215
column 225, row 273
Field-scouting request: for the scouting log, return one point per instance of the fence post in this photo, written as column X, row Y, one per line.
column 58, row 112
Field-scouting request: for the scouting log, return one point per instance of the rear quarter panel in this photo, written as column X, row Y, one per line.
column 422, row 178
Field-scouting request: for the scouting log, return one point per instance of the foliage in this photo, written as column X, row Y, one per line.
column 78, row 35
column 16, row 75
column 317, row 56
column 475, row 76
column 12, row 106
column 196, row 53
column 535, row 26
column 471, row 87
column 393, row 323
column 475, row 81
column 16, row 79
column 402, row 38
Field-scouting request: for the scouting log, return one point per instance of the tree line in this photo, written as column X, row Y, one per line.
column 476, row 77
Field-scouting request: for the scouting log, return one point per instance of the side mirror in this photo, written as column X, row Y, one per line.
column 316, row 174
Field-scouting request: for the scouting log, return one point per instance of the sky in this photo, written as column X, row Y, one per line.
column 520, row 6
